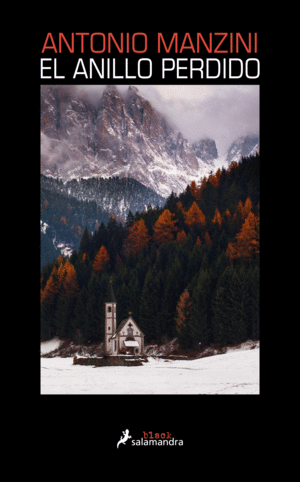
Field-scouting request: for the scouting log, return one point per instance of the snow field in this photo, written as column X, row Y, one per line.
column 236, row 372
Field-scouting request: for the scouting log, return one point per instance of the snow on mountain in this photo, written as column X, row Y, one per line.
column 206, row 150
column 116, row 136
column 123, row 135
column 43, row 226
column 243, row 147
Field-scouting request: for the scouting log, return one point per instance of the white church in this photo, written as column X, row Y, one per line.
column 127, row 337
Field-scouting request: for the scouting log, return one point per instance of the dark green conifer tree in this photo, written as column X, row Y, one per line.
column 80, row 314
column 174, row 286
column 250, row 281
column 48, row 328
column 182, row 319
column 135, row 290
column 48, row 307
column 129, row 220
column 93, row 330
column 64, row 316
column 85, row 242
column 220, row 320
column 235, row 293
column 228, row 309
column 150, row 305
column 124, row 302
column 198, row 323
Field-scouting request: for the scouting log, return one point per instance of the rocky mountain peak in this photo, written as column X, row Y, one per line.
column 111, row 88
column 132, row 89
column 242, row 147
column 206, row 149
column 117, row 135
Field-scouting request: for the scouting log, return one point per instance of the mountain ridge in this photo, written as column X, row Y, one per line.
column 114, row 135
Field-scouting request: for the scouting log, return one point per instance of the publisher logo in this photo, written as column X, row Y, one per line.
column 150, row 439
column 124, row 439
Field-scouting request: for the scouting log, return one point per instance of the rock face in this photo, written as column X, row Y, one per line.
column 113, row 135
column 243, row 147
column 117, row 135
column 206, row 149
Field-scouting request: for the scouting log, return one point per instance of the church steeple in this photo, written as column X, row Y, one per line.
column 110, row 318
column 110, row 295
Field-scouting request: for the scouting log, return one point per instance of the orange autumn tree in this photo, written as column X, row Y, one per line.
column 70, row 284
column 137, row 238
column 244, row 209
column 181, row 237
column 207, row 239
column 179, row 206
column 101, row 259
column 67, row 298
column 49, row 296
column 248, row 237
column 61, row 270
column 228, row 213
column 164, row 228
column 214, row 179
column 51, row 288
column 217, row 218
column 247, row 242
column 182, row 319
column 233, row 165
column 194, row 216
column 195, row 190
column 66, row 277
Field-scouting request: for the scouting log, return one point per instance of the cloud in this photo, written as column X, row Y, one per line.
column 220, row 112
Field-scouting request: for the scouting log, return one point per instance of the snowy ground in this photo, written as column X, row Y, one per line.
column 236, row 372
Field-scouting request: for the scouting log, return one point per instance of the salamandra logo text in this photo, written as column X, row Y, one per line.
column 150, row 439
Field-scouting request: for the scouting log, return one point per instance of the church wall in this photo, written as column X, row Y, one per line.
column 136, row 334
column 113, row 346
column 138, row 338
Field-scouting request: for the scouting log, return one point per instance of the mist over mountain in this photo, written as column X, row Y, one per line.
column 113, row 132
column 244, row 146
column 113, row 136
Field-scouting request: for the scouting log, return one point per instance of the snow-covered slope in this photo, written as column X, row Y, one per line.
column 236, row 372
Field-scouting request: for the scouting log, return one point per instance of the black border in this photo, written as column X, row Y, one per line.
column 199, row 422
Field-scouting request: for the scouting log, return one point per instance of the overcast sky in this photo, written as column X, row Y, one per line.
column 220, row 112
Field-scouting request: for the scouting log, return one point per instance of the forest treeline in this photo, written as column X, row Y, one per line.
column 67, row 208
column 188, row 270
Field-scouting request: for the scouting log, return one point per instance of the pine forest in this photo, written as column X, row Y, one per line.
column 188, row 270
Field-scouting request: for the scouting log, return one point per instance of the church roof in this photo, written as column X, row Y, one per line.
column 110, row 295
column 123, row 323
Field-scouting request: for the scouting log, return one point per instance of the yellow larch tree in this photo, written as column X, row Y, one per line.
column 101, row 259
column 194, row 216
column 164, row 228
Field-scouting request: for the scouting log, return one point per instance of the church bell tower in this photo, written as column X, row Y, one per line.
column 110, row 319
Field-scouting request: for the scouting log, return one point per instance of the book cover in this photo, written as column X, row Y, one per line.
column 149, row 163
